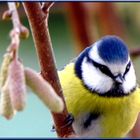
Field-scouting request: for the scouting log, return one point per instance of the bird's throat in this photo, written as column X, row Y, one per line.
column 115, row 91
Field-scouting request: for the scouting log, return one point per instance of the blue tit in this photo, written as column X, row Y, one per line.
column 101, row 91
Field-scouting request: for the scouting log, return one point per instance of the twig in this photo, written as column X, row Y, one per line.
column 135, row 52
column 15, row 17
column 15, row 33
column 46, row 7
column 18, row 29
column 21, row 30
column 43, row 46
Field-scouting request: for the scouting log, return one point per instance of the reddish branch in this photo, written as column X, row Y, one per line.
column 46, row 7
column 81, row 24
column 135, row 133
column 43, row 45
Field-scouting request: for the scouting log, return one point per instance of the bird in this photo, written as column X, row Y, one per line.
column 101, row 91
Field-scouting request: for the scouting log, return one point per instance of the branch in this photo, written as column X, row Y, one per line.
column 135, row 133
column 43, row 45
column 18, row 29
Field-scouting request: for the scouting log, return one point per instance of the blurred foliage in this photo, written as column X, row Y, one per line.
column 130, row 14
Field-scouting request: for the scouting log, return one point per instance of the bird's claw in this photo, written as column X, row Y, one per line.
column 53, row 129
column 69, row 120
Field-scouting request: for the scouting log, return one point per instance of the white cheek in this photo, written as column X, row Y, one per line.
column 94, row 79
column 130, row 80
column 93, row 54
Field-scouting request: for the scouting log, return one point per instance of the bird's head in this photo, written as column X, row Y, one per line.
column 106, row 68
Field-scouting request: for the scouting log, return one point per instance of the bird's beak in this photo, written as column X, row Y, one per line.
column 119, row 79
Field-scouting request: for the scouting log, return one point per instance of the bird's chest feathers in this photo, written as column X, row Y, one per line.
column 105, row 116
column 116, row 115
column 114, row 112
column 120, row 119
column 81, row 100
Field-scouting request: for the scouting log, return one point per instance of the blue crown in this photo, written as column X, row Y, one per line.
column 113, row 50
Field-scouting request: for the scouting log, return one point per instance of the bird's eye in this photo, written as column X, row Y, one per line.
column 104, row 69
column 127, row 68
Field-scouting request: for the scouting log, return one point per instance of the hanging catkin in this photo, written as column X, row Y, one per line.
column 17, row 87
column 43, row 90
column 4, row 68
column 6, row 108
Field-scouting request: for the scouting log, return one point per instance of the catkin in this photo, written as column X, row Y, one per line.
column 4, row 68
column 17, row 87
column 43, row 90
column 6, row 108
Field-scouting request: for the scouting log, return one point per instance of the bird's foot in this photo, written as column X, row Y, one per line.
column 53, row 129
column 69, row 120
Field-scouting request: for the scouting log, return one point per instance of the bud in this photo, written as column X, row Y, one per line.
column 6, row 108
column 44, row 91
column 17, row 4
column 24, row 32
column 4, row 68
column 7, row 15
column 17, row 87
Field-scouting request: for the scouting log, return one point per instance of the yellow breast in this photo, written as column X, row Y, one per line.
column 119, row 113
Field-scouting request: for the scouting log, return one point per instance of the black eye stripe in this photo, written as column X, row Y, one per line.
column 104, row 69
column 127, row 68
